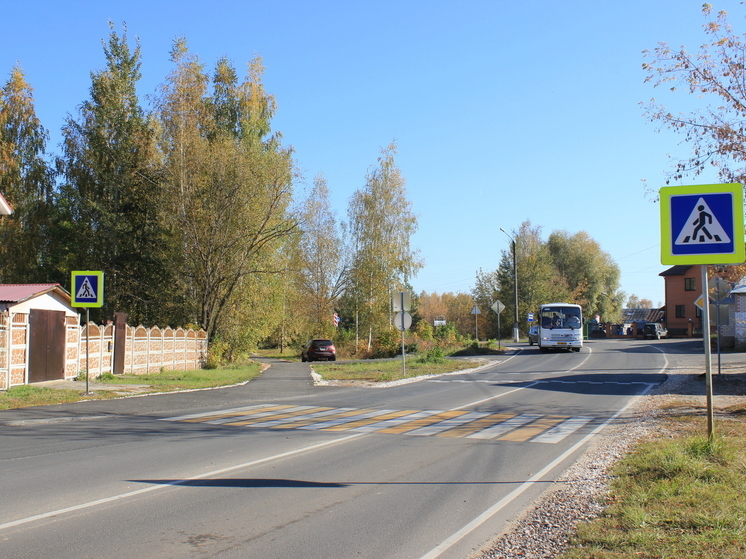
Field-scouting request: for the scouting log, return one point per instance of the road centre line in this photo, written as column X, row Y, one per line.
column 522, row 387
column 438, row 550
column 218, row 472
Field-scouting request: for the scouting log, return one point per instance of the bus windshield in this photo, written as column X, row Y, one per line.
column 560, row 317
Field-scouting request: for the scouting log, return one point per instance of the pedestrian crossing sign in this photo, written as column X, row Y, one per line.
column 87, row 289
column 702, row 224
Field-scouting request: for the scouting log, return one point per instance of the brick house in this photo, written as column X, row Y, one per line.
column 682, row 288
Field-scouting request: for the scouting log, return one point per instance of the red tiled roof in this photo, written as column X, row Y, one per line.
column 17, row 293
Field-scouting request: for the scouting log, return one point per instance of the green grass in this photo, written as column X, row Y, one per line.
column 384, row 371
column 680, row 497
column 165, row 381
column 28, row 395
column 189, row 380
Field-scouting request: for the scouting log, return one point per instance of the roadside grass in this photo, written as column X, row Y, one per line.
column 105, row 386
column 389, row 370
column 189, row 380
column 676, row 495
column 27, row 395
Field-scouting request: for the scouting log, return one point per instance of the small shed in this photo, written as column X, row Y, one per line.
column 34, row 320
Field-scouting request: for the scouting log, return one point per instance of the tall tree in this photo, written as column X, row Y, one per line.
column 381, row 226
column 538, row 280
column 634, row 302
column 716, row 75
column 26, row 181
column 110, row 191
column 228, row 183
column 590, row 273
column 322, row 263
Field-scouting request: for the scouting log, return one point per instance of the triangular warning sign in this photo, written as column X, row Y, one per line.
column 86, row 290
column 702, row 227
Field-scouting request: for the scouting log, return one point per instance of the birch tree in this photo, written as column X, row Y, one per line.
column 381, row 226
column 322, row 263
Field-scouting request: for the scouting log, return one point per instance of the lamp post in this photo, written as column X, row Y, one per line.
column 515, row 285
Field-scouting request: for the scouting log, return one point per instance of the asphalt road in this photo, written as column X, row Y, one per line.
column 280, row 468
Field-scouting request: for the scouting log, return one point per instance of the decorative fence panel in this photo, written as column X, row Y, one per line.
column 147, row 350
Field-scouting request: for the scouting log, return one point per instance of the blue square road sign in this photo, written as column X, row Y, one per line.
column 87, row 289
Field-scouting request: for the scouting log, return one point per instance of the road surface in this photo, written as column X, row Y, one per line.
column 280, row 468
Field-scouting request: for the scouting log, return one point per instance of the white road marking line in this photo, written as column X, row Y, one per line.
column 438, row 550
column 343, row 420
column 448, row 424
column 559, row 432
column 388, row 423
column 504, row 426
column 213, row 473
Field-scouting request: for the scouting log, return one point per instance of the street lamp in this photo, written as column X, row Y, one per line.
column 515, row 285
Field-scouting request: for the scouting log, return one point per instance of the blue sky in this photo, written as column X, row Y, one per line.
column 502, row 111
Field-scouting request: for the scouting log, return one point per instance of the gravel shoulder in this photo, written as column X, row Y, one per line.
column 543, row 531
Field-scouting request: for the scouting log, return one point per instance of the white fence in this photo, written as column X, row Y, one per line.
column 147, row 350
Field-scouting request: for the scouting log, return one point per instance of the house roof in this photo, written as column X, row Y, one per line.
column 18, row 293
column 642, row 315
column 5, row 208
column 679, row 270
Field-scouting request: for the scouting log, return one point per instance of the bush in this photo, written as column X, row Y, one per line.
column 434, row 355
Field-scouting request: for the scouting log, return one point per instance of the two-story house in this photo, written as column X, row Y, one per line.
column 682, row 288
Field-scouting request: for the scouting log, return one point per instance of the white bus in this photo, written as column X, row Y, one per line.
column 560, row 326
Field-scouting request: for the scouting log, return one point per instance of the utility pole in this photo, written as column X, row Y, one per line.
column 515, row 286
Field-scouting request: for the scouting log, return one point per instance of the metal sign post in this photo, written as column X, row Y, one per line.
column 703, row 225
column 402, row 302
column 476, row 312
column 498, row 307
column 87, row 291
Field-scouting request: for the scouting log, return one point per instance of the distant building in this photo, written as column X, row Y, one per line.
column 682, row 288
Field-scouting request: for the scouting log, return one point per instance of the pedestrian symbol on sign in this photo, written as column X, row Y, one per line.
column 702, row 224
column 86, row 290
column 702, row 227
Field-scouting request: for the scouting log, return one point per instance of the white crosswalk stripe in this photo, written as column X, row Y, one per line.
column 463, row 424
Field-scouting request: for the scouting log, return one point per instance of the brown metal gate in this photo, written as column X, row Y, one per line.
column 46, row 345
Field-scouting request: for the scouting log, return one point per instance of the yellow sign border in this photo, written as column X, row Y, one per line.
column 738, row 256
column 99, row 295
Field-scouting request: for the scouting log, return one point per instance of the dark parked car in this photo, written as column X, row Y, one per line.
column 318, row 349
column 654, row 330
column 533, row 335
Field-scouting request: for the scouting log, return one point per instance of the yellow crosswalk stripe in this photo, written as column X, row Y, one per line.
column 532, row 429
column 503, row 426
column 477, row 425
column 423, row 422
column 369, row 420
column 278, row 416
column 244, row 413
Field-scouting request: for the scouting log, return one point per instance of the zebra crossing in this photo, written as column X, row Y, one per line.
column 515, row 427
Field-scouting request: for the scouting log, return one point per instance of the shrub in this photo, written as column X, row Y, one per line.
column 433, row 355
